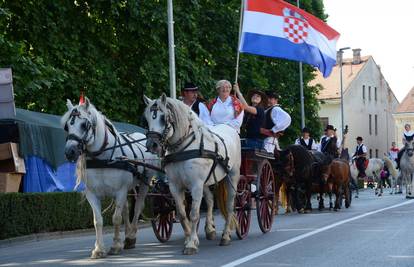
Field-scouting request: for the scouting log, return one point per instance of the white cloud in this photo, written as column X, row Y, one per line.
column 382, row 29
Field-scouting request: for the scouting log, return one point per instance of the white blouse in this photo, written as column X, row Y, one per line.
column 223, row 113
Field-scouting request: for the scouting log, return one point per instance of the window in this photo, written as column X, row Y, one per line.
column 376, row 153
column 370, row 153
column 376, row 124
column 369, row 93
column 363, row 92
column 370, row 124
column 324, row 121
column 375, row 93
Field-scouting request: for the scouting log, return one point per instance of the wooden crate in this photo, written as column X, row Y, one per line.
column 10, row 182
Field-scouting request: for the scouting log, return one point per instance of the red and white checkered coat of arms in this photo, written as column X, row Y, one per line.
column 295, row 26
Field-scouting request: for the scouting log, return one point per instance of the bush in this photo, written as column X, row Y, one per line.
column 28, row 213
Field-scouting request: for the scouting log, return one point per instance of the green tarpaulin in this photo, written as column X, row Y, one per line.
column 41, row 135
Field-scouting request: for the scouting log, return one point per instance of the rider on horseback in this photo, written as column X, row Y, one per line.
column 360, row 156
column 326, row 142
column 407, row 136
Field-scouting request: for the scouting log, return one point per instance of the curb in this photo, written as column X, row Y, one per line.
column 60, row 235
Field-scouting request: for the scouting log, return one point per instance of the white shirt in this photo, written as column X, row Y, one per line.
column 223, row 113
column 338, row 142
column 405, row 133
column 282, row 120
column 204, row 113
column 314, row 146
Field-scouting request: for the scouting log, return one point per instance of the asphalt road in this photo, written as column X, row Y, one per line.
column 373, row 232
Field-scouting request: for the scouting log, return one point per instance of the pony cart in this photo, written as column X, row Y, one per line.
column 255, row 188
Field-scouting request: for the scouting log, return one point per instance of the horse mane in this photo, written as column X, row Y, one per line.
column 390, row 166
column 183, row 117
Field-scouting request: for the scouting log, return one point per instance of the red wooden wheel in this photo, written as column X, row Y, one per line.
column 163, row 225
column 265, row 196
column 243, row 204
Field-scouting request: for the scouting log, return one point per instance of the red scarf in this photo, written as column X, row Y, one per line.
column 235, row 102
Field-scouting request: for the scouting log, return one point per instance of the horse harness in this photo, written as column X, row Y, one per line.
column 92, row 162
column 201, row 152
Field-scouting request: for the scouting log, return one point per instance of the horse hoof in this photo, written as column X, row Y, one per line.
column 190, row 251
column 98, row 254
column 356, row 196
column 114, row 251
column 335, row 209
column 129, row 243
column 301, row 211
column 225, row 242
column 211, row 235
column 308, row 211
column 380, row 195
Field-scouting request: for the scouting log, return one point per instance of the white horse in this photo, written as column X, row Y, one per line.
column 91, row 135
column 407, row 167
column 374, row 168
column 394, row 177
column 176, row 133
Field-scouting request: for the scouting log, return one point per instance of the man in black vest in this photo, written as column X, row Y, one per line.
column 327, row 139
column 191, row 99
column 360, row 157
column 306, row 141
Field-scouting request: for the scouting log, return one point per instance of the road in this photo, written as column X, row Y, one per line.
column 373, row 232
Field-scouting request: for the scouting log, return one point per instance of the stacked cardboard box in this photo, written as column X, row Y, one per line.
column 12, row 168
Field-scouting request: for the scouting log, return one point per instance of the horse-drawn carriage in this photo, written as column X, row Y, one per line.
column 256, row 188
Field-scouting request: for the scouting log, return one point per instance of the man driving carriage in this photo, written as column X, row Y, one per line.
column 306, row 141
column 192, row 99
column 360, row 156
column 328, row 139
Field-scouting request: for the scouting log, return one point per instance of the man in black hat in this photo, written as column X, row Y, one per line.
column 327, row 138
column 306, row 141
column 276, row 121
column 360, row 156
column 191, row 99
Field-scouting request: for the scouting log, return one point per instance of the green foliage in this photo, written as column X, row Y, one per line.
column 118, row 50
column 22, row 214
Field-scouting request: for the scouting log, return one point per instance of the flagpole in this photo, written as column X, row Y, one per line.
column 171, row 48
column 238, row 42
column 302, row 99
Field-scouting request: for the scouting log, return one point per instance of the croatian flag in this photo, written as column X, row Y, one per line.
column 275, row 28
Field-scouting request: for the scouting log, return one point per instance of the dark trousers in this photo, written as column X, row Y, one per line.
column 400, row 153
column 360, row 163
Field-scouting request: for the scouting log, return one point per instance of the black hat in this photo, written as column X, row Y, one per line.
column 263, row 102
column 359, row 138
column 189, row 86
column 305, row 130
column 330, row 127
column 272, row 94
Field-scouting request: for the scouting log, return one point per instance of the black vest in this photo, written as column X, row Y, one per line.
column 307, row 146
column 359, row 151
column 268, row 122
column 196, row 107
column 324, row 143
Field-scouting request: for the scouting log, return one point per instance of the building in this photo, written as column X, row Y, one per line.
column 404, row 114
column 368, row 103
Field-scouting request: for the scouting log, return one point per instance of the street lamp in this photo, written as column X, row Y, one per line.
column 340, row 53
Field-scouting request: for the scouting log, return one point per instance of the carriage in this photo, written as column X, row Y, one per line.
column 256, row 188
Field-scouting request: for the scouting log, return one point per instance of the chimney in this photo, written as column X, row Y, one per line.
column 357, row 56
column 338, row 57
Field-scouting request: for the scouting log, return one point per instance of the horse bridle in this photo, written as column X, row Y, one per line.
column 82, row 141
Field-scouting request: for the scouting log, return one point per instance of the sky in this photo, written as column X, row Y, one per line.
column 383, row 29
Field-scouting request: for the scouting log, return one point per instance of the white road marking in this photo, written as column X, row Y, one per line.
column 294, row 229
column 303, row 236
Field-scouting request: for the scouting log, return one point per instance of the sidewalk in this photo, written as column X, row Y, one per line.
column 62, row 234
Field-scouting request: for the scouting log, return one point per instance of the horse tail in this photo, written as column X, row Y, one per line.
column 390, row 167
column 221, row 193
column 80, row 170
column 283, row 196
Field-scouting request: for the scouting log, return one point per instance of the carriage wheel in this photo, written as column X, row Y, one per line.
column 265, row 197
column 242, row 204
column 163, row 225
